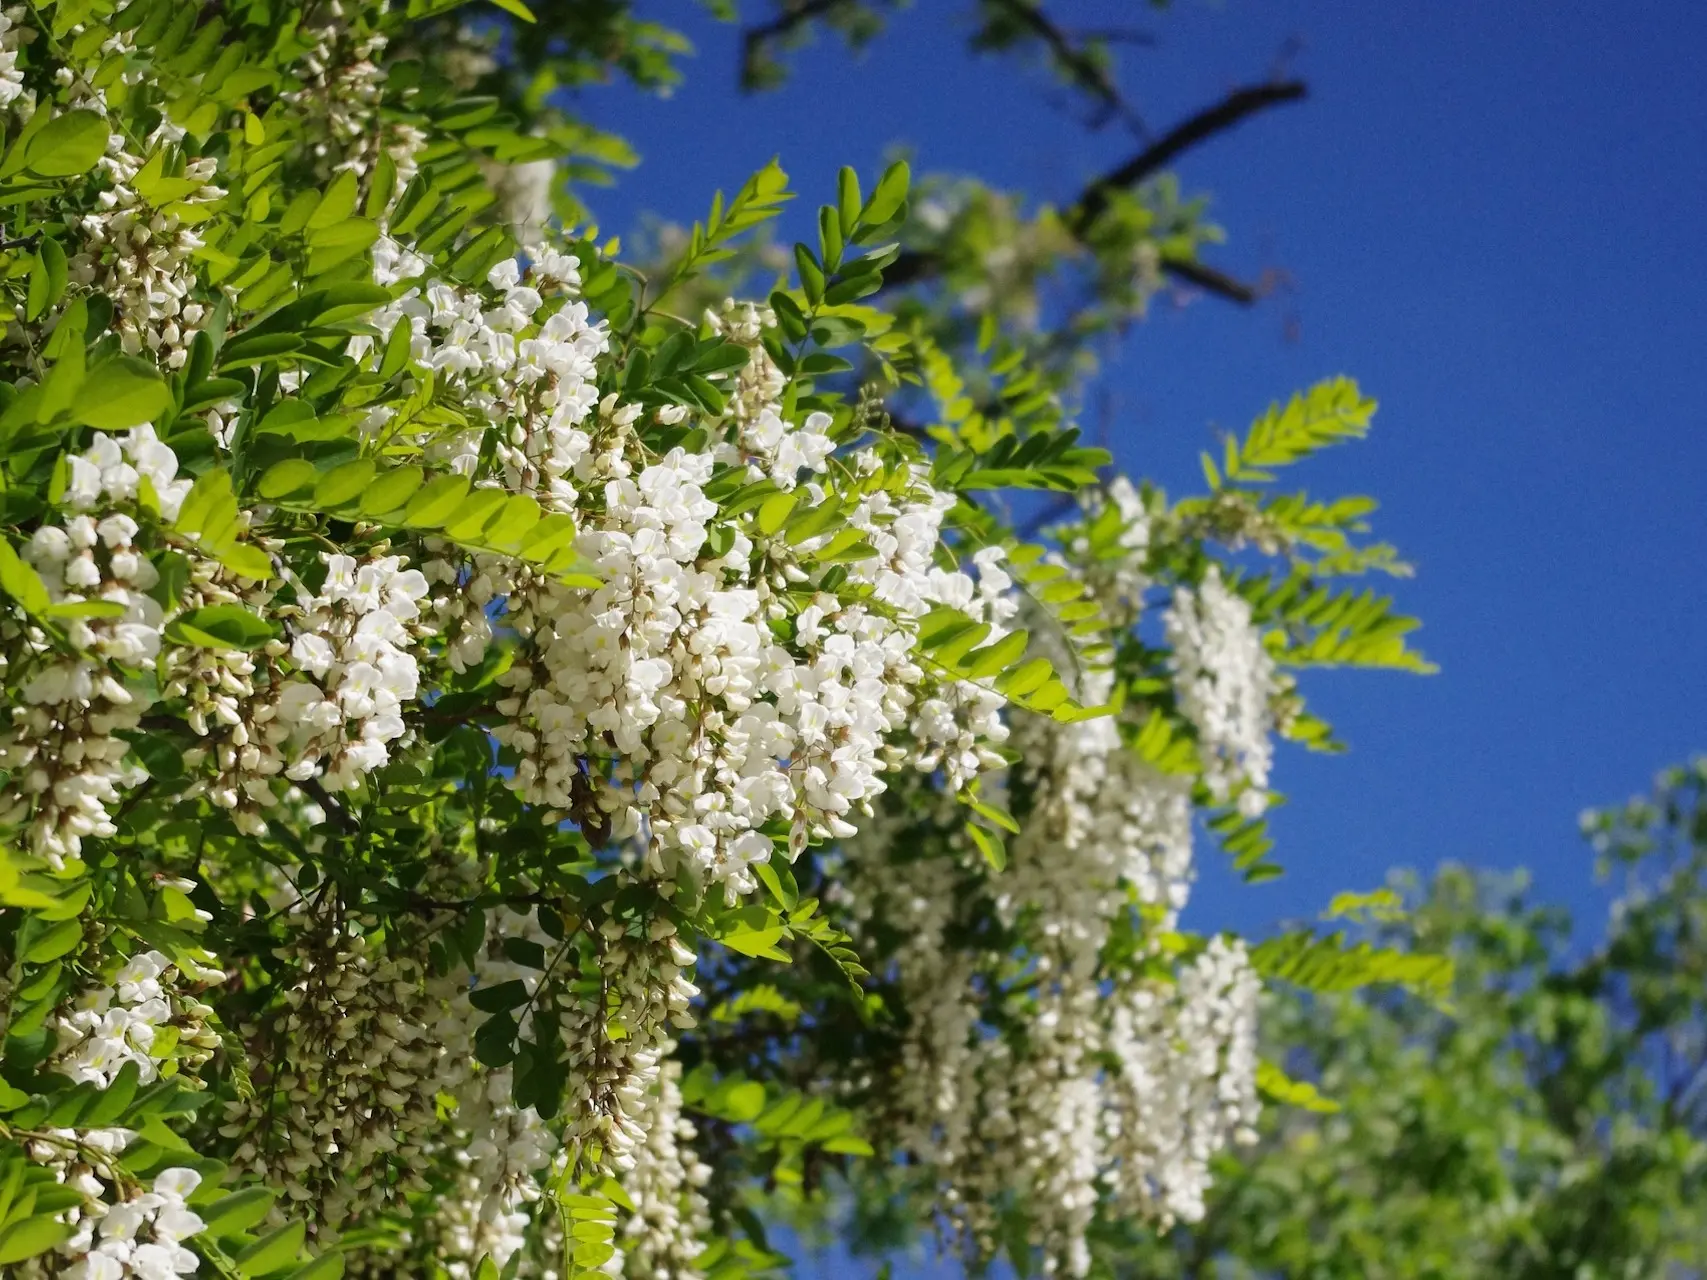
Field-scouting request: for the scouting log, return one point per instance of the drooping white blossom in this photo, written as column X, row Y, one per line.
column 1225, row 680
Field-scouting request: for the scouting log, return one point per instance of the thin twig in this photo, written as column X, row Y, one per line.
column 1083, row 68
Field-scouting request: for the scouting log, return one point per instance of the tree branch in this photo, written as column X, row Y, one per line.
column 1210, row 280
column 1206, row 124
column 1094, row 199
column 1083, row 69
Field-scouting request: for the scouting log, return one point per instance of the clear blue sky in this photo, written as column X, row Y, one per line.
column 1494, row 216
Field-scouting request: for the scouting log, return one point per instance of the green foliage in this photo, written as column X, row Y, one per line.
column 320, row 188
column 1327, row 963
column 1317, row 625
column 1548, row 1123
column 1330, row 413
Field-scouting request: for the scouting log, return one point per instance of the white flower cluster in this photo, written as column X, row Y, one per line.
column 1104, row 829
column 63, row 747
column 646, row 979
column 109, row 1026
column 958, row 727
column 1117, row 1099
column 664, row 1236
column 499, row 1150
column 327, row 703
column 1109, row 1094
column 1226, row 684
column 759, row 385
column 140, row 254
column 1186, row 1082
column 14, row 34
column 1116, row 1088
column 224, row 708
column 671, row 672
column 525, row 360
column 345, row 1106
column 141, row 1236
column 353, row 646
column 934, row 1086
column 1116, row 576
column 341, row 84
column 524, row 195
column 672, row 666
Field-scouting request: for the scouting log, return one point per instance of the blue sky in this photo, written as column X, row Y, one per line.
column 1492, row 216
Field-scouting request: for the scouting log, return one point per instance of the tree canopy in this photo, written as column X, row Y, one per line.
column 517, row 763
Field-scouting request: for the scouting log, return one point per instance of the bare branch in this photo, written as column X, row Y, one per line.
column 1084, row 70
column 1082, row 214
column 1210, row 280
column 1206, row 124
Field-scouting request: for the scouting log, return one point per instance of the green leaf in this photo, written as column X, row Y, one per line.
column 433, row 505
column 774, row 510
column 30, row 1237
column 344, row 484
column 1327, row 964
column 1328, row 413
column 119, row 393
column 238, row 1211
column 811, row 274
column 990, row 845
column 57, row 941
column 1282, row 1088
column 221, row 626
column 755, row 941
column 891, row 191
column 994, row 658
column 477, row 511
column 328, row 1266
column 391, row 491
column 495, row 999
column 495, row 1041
column 847, row 201
column 67, row 145
column 248, row 560
column 22, row 583
column 336, row 204
column 114, row 1099
column 284, row 479
column 47, row 278
column 273, row 1252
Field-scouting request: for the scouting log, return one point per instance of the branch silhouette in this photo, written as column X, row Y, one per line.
column 1093, row 201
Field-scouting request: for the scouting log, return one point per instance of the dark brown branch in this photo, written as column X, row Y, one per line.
column 1094, row 199
column 1084, row 70
column 1210, row 280
column 1206, row 124
column 912, row 266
